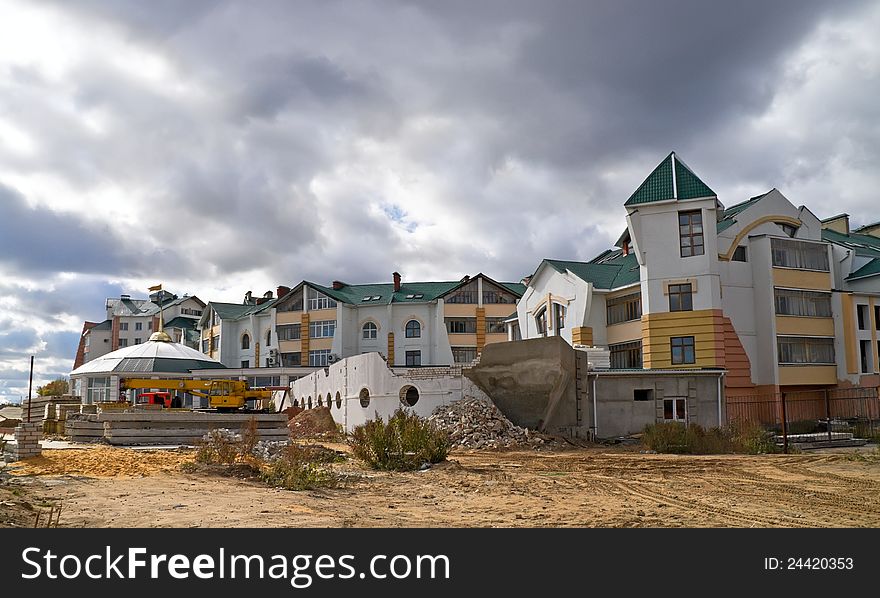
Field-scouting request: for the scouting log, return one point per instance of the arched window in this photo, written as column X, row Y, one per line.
column 370, row 330
column 268, row 337
column 413, row 329
column 246, row 341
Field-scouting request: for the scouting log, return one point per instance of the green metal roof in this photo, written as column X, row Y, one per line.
column 661, row 185
column 181, row 322
column 613, row 272
column 410, row 292
column 864, row 245
column 105, row 325
column 728, row 217
column 872, row 268
column 234, row 311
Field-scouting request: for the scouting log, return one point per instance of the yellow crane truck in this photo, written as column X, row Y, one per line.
column 222, row 394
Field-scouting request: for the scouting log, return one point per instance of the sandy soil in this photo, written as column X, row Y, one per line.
column 597, row 487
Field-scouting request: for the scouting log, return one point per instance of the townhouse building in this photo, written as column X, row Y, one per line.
column 131, row 322
column 762, row 289
column 411, row 324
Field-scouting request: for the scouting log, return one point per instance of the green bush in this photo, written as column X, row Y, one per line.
column 404, row 443
column 676, row 437
column 297, row 468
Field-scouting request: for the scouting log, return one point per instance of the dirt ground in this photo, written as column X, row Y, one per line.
column 594, row 487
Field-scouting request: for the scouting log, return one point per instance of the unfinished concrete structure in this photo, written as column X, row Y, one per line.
column 359, row 388
column 547, row 385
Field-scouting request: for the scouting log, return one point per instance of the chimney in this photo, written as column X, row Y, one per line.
column 123, row 297
column 282, row 291
column 267, row 295
column 625, row 248
column 248, row 298
column 396, row 276
column 338, row 284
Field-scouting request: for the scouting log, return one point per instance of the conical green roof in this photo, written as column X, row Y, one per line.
column 671, row 180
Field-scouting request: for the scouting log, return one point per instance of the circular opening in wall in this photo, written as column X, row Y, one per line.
column 338, row 401
column 295, row 403
column 409, row 395
column 310, row 402
column 329, row 401
column 320, row 401
column 364, row 397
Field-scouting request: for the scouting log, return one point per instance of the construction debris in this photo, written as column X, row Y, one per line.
column 478, row 423
column 313, row 423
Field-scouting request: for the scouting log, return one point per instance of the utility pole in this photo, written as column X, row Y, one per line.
column 30, row 385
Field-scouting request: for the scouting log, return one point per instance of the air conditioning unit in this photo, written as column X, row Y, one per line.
column 272, row 359
column 332, row 358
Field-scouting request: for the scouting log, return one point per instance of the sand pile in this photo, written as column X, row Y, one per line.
column 103, row 462
column 313, row 423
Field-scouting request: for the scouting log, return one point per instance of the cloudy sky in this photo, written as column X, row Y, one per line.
column 220, row 147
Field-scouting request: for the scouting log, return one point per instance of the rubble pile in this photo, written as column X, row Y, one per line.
column 313, row 423
column 478, row 423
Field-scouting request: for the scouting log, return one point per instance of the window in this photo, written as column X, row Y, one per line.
column 864, row 317
column 370, row 331
column 675, row 409
column 319, row 358
column 792, row 302
column 263, row 381
column 682, row 350
column 291, row 359
column 123, row 325
column 292, row 302
column 877, row 317
column 798, row 350
column 138, row 325
column 245, row 342
column 268, row 337
column 788, row 229
column 541, row 321
column 466, row 294
column 681, row 297
column 799, row 254
column 364, row 396
column 740, row 255
column 626, row 356
column 150, row 325
column 496, row 326
column 138, row 341
column 245, row 363
column 690, row 233
column 643, row 394
column 867, row 360
column 215, row 343
column 409, row 396
column 338, row 400
column 464, row 354
column 461, row 325
column 413, row 358
column 322, row 329
column 498, row 297
column 623, row 309
column 319, row 301
column 191, row 312
column 558, row 316
column 289, row 332
column 123, row 342
column 413, row 329
column 206, row 345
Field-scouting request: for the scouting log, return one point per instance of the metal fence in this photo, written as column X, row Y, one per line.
column 813, row 413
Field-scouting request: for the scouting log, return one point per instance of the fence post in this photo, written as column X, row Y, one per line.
column 828, row 412
column 784, row 425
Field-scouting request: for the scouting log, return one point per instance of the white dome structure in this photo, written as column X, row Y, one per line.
column 149, row 357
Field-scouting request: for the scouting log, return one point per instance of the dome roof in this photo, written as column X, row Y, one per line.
column 151, row 356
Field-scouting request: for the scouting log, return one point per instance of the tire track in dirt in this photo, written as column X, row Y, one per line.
column 742, row 519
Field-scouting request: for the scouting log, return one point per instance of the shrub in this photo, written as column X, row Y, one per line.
column 404, row 443
column 220, row 448
column 739, row 437
column 297, row 469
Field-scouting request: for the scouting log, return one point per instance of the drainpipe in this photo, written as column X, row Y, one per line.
column 720, row 378
column 595, row 411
